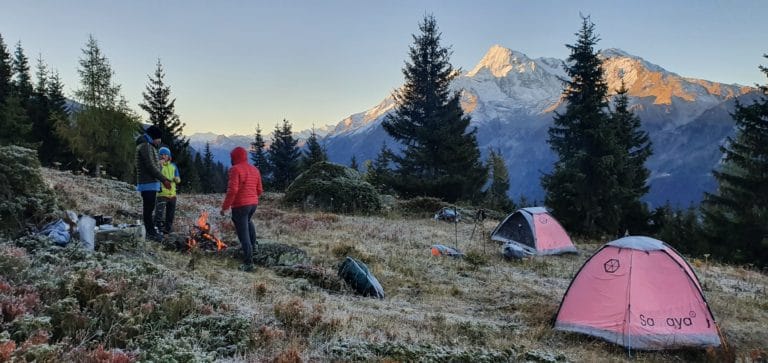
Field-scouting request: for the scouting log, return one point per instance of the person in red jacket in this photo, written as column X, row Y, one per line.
column 243, row 191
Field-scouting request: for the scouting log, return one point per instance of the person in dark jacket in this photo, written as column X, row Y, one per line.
column 149, row 176
column 243, row 191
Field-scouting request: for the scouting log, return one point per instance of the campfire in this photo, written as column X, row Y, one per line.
column 200, row 236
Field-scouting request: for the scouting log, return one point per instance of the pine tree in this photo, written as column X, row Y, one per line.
column 43, row 130
column 14, row 121
column 314, row 152
column 208, row 176
column 102, row 132
column 497, row 198
column 284, row 156
column 583, row 188
column 378, row 172
column 201, row 173
column 353, row 163
column 162, row 113
column 220, row 178
column 22, row 81
column 5, row 72
column 58, row 116
column 98, row 89
column 440, row 158
column 259, row 156
column 633, row 175
column 735, row 217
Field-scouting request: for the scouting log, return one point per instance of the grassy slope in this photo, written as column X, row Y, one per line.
column 435, row 307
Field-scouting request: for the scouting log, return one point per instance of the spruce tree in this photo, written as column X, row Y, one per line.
column 5, row 72
column 58, row 115
column 633, row 175
column 735, row 217
column 98, row 89
column 208, row 177
column 162, row 113
column 102, row 131
column 259, row 156
column 314, row 152
column 14, row 121
column 283, row 156
column 440, row 157
column 201, row 173
column 22, row 81
column 583, row 189
column 353, row 163
column 378, row 172
column 496, row 197
column 43, row 130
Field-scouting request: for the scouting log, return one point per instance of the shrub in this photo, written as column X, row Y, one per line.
column 24, row 196
column 333, row 188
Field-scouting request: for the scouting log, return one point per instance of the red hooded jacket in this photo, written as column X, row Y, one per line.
column 244, row 186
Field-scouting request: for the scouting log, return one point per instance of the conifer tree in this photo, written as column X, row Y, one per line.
column 5, row 72
column 633, row 175
column 583, row 188
column 314, row 152
column 58, row 115
column 98, row 90
column 201, row 173
column 378, row 172
column 22, row 81
column 440, row 157
column 208, row 176
column 284, row 156
column 735, row 217
column 353, row 163
column 39, row 114
column 102, row 131
column 497, row 197
column 14, row 121
column 220, row 177
column 259, row 156
column 162, row 113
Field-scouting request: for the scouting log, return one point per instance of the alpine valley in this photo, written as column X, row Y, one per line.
column 512, row 100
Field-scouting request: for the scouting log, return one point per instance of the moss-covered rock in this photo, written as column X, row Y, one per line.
column 333, row 188
column 24, row 196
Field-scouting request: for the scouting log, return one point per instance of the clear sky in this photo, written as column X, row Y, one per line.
column 234, row 64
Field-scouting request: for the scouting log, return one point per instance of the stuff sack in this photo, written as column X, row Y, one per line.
column 442, row 250
column 514, row 251
column 357, row 276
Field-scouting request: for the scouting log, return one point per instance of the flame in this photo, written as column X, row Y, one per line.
column 220, row 245
column 202, row 231
column 202, row 222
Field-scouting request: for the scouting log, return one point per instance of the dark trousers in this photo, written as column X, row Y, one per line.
column 148, row 198
column 246, row 230
column 166, row 207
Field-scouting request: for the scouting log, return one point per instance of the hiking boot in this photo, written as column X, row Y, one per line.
column 246, row 267
column 155, row 237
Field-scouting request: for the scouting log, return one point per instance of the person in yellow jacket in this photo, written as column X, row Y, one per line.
column 166, row 197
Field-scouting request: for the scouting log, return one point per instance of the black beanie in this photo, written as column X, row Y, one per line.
column 154, row 132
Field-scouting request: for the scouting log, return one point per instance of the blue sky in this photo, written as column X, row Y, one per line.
column 234, row 64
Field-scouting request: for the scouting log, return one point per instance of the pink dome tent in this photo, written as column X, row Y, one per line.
column 638, row 292
column 535, row 231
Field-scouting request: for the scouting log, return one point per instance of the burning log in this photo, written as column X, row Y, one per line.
column 201, row 238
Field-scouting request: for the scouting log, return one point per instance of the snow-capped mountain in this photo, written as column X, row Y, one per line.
column 512, row 98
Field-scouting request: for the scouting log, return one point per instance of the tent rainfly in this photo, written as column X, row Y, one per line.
column 535, row 231
column 638, row 292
